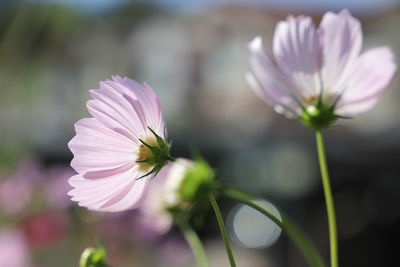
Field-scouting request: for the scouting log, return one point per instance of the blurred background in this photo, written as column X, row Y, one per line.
column 193, row 53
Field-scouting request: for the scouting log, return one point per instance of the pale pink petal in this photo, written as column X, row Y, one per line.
column 116, row 193
column 121, row 105
column 156, row 120
column 372, row 73
column 96, row 147
column 89, row 191
column 129, row 199
column 264, row 95
column 356, row 108
column 91, row 128
column 341, row 39
column 144, row 95
column 96, row 199
column 297, row 52
column 267, row 80
column 108, row 172
column 81, row 184
column 111, row 119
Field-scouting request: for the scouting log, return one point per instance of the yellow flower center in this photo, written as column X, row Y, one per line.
column 311, row 100
column 144, row 153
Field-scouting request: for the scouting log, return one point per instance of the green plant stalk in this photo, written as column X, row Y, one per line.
column 292, row 230
column 194, row 243
column 223, row 230
column 330, row 207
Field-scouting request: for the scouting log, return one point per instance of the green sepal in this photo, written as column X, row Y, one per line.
column 148, row 160
column 144, row 143
column 156, row 169
column 160, row 154
column 160, row 141
column 318, row 116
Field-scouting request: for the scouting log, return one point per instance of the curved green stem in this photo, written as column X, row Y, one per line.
column 330, row 207
column 292, row 230
column 223, row 230
column 194, row 243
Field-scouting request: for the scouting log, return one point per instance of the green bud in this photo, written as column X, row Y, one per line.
column 93, row 257
column 188, row 182
column 197, row 182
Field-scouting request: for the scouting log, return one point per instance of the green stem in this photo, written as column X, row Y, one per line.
column 194, row 243
column 293, row 231
column 223, row 230
column 330, row 207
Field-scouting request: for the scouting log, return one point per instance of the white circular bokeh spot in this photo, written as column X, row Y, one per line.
column 251, row 228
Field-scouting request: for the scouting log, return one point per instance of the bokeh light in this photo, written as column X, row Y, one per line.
column 251, row 228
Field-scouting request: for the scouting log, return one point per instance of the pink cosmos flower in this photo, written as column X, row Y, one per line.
column 118, row 147
column 318, row 74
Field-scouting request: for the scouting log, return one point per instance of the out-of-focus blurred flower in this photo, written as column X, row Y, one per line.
column 318, row 74
column 15, row 195
column 17, row 189
column 30, row 185
column 153, row 215
column 174, row 181
column 57, row 187
column 122, row 143
column 46, row 228
column 14, row 251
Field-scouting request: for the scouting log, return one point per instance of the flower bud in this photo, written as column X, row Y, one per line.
column 93, row 257
column 187, row 182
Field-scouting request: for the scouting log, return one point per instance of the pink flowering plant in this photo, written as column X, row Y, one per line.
column 123, row 161
column 118, row 147
column 319, row 75
column 122, row 156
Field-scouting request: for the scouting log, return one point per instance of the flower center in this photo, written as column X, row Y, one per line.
column 311, row 100
column 145, row 152
column 152, row 154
